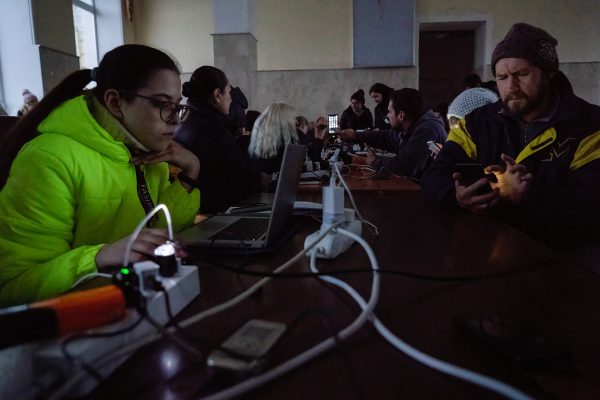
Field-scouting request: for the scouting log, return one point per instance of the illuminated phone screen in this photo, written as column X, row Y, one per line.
column 333, row 123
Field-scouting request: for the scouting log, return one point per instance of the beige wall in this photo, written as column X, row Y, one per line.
column 181, row 27
column 317, row 34
column 304, row 47
column 574, row 23
column 303, row 34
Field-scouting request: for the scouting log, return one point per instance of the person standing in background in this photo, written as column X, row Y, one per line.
column 381, row 93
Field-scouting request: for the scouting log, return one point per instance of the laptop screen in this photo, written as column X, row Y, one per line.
column 287, row 186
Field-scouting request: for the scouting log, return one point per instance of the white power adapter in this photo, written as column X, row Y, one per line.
column 334, row 244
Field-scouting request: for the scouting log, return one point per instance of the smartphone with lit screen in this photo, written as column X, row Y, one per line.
column 334, row 123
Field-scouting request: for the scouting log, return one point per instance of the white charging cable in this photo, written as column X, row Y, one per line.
column 360, row 217
column 432, row 362
column 141, row 225
column 142, row 341
column 327, row 344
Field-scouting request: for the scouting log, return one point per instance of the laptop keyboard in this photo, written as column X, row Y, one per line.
column 243, row 229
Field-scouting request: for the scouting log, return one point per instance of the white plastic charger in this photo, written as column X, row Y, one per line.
column 334, row 244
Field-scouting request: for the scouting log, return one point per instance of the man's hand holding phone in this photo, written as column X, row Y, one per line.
column 473, row 190
column 371, row 157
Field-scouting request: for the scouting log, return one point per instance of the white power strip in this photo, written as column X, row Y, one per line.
column 334, row 244
column 182, row 288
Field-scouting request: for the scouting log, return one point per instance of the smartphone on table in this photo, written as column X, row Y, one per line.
column 244, row 350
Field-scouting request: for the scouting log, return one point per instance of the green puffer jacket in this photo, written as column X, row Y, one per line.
column 71, row 190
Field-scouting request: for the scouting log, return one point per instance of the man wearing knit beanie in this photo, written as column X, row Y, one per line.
column 540, row 143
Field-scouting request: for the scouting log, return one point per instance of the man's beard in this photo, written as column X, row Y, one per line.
column 524, row 104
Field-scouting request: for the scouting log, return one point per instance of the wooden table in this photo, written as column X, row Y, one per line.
column 557, row 297
column 357, row 182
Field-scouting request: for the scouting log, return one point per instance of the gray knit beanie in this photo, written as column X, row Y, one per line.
column 528, row 42
column 469, row 100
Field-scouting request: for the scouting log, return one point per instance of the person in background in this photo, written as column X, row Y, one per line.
column 472, row 81
column 30, row 100
column 441, row 109
column 274, row 129
column 237, row 111
column 357, row 116
column 540, row 142
column 491, row 85
column 411, row 130
column 315, row 139
column 243, row 140
column 468, row 101
column 381, row 93
column 228, row 175
column 464, row 104
column 84, row 157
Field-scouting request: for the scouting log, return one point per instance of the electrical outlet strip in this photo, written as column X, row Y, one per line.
column 335, row 244
column 182, row 287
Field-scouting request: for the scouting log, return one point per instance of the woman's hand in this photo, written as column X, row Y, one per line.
column 321, row 128
column 143, row 249
column 176, row 155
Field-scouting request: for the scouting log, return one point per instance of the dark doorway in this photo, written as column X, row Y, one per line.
column 445, row 58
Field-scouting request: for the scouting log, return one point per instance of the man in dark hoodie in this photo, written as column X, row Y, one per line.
column 411, row 130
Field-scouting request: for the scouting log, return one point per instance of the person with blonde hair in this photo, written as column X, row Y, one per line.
column 274, row 129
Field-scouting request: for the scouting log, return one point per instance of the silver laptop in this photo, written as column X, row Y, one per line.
column 253, row 230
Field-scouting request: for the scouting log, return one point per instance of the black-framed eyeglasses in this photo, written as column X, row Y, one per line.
column 168, row 109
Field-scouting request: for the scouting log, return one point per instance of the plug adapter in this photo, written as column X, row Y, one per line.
column 333, row 204
column 334, row 244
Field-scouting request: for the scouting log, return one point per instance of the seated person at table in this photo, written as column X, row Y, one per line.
column 464, row 104
column 273, row 130
column 314, row 140
column 381, row 93
column 243, row 140
column 540, row 140
column 411, row 130
column 71, row 199
column 227, row 175
column 237, row 111
column 357, row 116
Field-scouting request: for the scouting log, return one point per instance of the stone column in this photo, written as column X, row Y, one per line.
column 234, row 44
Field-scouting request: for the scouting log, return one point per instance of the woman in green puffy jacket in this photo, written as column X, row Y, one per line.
column 87, row 165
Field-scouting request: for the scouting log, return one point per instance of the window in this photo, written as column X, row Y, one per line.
column 84, row 19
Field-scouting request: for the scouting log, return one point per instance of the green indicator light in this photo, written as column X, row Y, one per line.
column 124, row 271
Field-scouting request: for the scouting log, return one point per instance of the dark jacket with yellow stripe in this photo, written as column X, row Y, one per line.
column 563, row 156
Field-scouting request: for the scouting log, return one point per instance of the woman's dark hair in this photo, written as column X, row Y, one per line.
column 203, row 83
column 385, row 92
column 381, row 88
column 126, row 68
